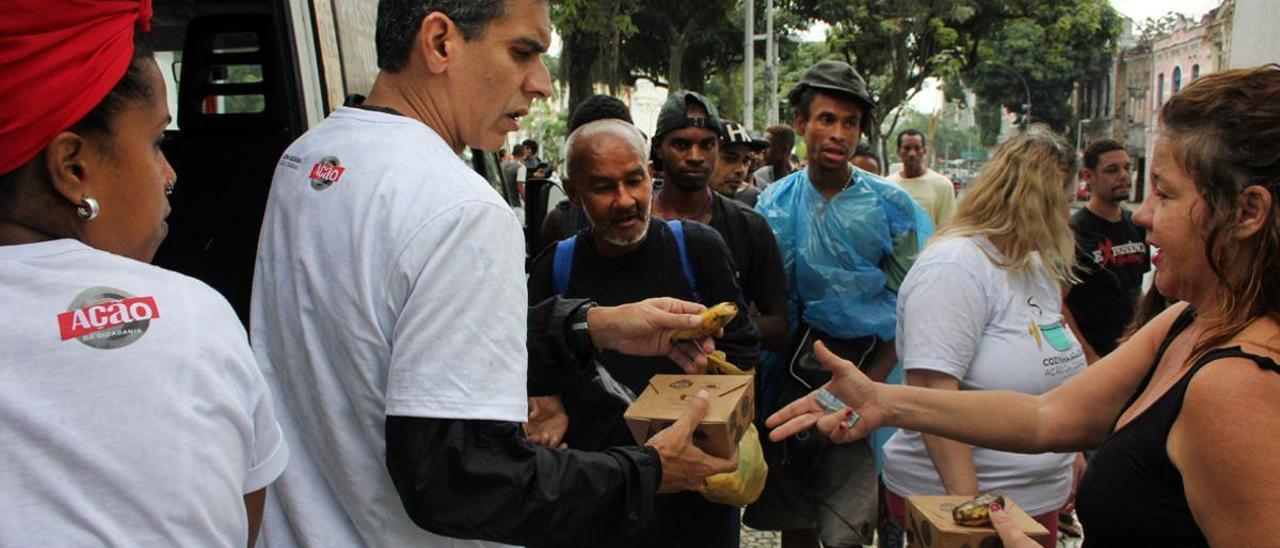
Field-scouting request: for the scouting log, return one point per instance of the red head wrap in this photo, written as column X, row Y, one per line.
column 58, row 60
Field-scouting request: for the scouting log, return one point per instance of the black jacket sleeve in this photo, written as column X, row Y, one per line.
column 555, row 356
column 483, row 480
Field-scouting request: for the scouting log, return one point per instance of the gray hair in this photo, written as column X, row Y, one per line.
column 398, row 22
column 598, row 128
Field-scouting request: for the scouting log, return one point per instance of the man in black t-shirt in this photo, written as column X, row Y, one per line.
column 565, row 219
column 624, row 254
column 686, row 146
column 1111, row 251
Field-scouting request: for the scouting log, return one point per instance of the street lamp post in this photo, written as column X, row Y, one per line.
column 748, row 65
column 1026, row 118
column 748, row 68
column 771, row 62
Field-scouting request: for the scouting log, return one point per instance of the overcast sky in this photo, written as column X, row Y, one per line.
column 1140, row 10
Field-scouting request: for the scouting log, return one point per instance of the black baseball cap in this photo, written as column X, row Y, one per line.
column 838, row 77
column 675, row 114
column 733, row 133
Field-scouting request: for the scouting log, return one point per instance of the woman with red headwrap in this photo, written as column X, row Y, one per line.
column 131, row 409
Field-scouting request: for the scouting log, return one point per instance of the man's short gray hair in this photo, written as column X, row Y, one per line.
column 398, row 22
column 600, row 128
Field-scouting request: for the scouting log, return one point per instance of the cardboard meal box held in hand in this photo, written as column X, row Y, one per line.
column 929, row 524
column 732, row 408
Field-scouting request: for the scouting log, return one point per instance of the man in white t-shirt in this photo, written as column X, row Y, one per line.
column 389, row 314
column 933, row 191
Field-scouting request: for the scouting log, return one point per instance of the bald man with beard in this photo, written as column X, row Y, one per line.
column 625, row 254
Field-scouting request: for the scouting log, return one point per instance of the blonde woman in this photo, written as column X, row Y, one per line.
column 980, row 310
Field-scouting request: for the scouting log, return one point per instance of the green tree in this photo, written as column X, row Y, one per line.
column 949, row 140
column 592, row 32
column 1054, row 46
column 723, row 73
column 897, row 44
column 678, row 41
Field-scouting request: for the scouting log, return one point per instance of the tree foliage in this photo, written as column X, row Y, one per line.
column 949, row 140
column 894, row 44
column 1153, row 29
column 676, row 43
column 897, row 44
column 1053, row 46
column 592, row 32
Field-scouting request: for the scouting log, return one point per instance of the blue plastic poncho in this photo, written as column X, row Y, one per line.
column 832, row 250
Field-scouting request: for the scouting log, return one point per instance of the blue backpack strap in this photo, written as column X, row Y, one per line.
column 677, row 227
column 562, row 266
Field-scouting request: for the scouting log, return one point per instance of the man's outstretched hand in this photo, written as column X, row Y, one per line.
column 644, row 329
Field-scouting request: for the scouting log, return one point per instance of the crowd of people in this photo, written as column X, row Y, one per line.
column 404, row 381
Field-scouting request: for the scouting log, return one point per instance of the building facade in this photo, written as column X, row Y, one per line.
column 1124, row 103
column 1254, row 25
column 1193, row 49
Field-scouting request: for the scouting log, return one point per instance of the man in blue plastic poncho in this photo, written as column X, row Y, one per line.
column 847, row 238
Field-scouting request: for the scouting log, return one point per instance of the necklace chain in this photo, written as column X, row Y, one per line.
column 705, row 209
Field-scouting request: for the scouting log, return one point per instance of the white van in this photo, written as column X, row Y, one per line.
column 246, row 78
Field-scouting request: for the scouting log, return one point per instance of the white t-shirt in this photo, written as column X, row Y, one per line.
column 131, row 410
column 389, row 281
column 933, row 191
column 960, row 314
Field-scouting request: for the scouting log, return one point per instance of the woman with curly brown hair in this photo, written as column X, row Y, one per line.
column 1182, row 413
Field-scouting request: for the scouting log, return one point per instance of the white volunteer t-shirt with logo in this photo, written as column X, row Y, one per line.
column 960, row 314
column 390, row 281
column 131, row 410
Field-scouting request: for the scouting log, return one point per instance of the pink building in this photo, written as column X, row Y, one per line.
column 1191, row 50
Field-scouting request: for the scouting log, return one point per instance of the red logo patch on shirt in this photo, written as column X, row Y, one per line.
column 106, row 318
column 326, row 172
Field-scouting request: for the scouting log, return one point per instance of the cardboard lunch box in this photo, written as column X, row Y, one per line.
column 929, row 524
column 732, row 409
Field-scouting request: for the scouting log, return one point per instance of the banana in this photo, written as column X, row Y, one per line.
column 722, row 365
column 976, row 512
column 713, row 319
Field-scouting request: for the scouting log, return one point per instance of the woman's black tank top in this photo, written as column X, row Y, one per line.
column 1131, row 494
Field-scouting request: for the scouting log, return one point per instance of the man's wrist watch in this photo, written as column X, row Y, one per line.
column 579, row 335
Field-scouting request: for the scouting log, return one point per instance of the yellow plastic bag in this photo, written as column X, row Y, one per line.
column 744, row 485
